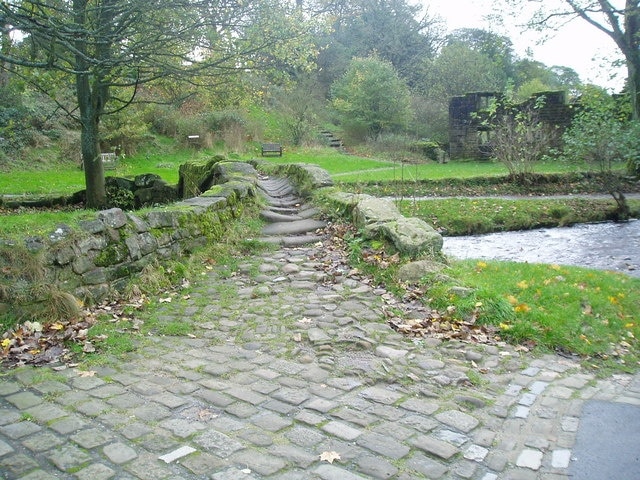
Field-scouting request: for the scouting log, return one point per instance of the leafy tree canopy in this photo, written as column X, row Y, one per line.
column 105, row 47
column 371, row 97
column 394, row 30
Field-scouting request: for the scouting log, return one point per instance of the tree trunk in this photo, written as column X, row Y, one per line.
column 91, row 161
column 5, row 49
column 632, row 54
column 90, row 106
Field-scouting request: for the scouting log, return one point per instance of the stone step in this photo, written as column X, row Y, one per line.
column 288, row 214
column 286, row 203
column 293, row 228
column 271, row 216
column 293, row 241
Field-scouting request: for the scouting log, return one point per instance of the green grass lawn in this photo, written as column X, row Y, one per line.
column 165, row 159
column 68, row 178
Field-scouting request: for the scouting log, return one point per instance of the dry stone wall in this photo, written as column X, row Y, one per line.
column 99, row 256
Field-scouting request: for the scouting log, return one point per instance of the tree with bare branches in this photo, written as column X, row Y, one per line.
column 619, row 19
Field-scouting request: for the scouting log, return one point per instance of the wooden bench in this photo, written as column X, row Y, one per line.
column 271, row 148
column 109, row 160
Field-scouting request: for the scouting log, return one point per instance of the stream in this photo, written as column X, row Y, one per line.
column 603, row 246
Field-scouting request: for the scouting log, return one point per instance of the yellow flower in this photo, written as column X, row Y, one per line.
column 5, row 343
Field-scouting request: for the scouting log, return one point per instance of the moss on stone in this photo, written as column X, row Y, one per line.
column 112, row 254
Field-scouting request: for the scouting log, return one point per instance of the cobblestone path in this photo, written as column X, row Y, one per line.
column 291, row 373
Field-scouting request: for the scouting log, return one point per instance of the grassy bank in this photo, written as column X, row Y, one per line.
column 472, row 216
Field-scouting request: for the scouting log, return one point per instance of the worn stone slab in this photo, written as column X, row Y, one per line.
column 458, row 420
column 24, row 400
column 381, row 395
column 218, row 443
column 259, row 462
column 383, row 445
column 293, row 228
column 42, row 441
column 20, row 429
column 91, row 438
column 434, row 446
column 419, row 405
column 119, row 453
column 429, row 467
column 341, row 430
column 333, row 472
column 68, row 457
column 97, row 471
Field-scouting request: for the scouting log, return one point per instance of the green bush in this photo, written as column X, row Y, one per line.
column 601, row 133
column 429, row 149
column 120, row 198
column 371, row 96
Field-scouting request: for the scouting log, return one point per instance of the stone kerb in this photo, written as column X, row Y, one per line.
column 99, row 256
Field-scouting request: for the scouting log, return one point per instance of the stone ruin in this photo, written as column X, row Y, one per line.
column 470, row 137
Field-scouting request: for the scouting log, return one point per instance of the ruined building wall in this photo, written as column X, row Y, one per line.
column 470, row 137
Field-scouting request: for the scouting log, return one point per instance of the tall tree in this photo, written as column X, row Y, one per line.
column 109, row 45
column 459, row 69
column 498, row 48
column 371, row 98
column 395, row 30
column 620, row 20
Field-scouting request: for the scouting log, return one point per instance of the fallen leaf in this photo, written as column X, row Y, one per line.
column 87, row 373
column 164, row 300
column 329, row 456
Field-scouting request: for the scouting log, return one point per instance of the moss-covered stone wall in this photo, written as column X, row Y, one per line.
column 97, row 258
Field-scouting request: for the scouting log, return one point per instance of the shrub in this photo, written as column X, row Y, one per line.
column 602, row 135
column 518, row 138
column 429, row 149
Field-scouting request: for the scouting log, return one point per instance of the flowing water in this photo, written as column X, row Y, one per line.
column 604, row 246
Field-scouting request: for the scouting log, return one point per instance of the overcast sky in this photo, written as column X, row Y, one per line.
column 577, row 45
